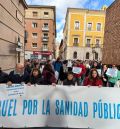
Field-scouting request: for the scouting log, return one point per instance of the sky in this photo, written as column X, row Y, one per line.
column 61, row 8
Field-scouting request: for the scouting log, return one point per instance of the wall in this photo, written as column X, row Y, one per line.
column 111, row 51
column 10, row 28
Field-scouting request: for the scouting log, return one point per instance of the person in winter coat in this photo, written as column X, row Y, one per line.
column 63, row 71
column 36, row 77
column 3, row 76
column 104, row 76
column 19, row 75
column 70, row 81
column 57, row 64
column 95, row 65
column 93, row 79
column 48, row 75
column 28, row 67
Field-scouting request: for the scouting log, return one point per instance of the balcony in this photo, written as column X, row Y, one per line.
column 45, row 39
column 45, row 28
column 44, row 49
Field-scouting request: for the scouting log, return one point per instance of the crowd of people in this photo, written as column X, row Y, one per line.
column 66, row 73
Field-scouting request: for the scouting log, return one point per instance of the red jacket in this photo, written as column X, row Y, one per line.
column 94, row 82
column 82, row 72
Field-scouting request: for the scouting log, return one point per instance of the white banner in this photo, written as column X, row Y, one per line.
column 61, row 106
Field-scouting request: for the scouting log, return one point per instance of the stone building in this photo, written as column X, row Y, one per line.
column 12, row 27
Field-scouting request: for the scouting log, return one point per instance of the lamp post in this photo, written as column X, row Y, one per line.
column 93, row 52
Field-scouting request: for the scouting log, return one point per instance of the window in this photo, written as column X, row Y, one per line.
column 87, row 55
column 34, row 45
column 96, row 56
column 45, row 25
column 89, row 27
column 45, row 47
column 75, row 40
column 34, row 25
column 34, row 35
column 46, row 14
column 77, row 25
column 35, row 14
column 75, row 55
column 97, row 42
column 88, row 41
column 98, row 26
column 25, row 36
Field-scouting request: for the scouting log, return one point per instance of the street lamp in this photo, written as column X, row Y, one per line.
column 93, row 51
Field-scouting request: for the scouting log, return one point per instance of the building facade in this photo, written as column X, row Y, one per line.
column 62, row 50
column 111, row 49
column 41, row 31
column 12, row 27
column 84, row 33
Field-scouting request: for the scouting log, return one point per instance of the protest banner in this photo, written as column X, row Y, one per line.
column 61, row 106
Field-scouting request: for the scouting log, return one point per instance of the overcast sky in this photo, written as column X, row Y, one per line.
column 62, row 5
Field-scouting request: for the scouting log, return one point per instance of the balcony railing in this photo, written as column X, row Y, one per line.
column 44, row 49
column 94, row 45
column 45, row 39
column 45, row 28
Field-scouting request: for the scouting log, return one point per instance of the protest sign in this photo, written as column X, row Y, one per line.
column 99, row 72
column 76, row 70
column 112, row 72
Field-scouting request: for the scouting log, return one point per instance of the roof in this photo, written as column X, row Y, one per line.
column 41, row 6
column 24, row 3
column 112, row 4
column 82, row 9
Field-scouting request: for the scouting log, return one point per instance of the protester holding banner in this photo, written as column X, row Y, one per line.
column 36, row 77
column 70, row 81
column 19, row 75
column 3, row 76
column 93, row 79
